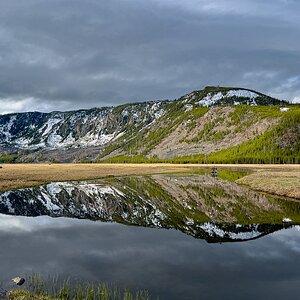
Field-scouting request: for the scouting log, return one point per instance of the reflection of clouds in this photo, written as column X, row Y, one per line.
column 264, row 254
column 168, row 263
column 275, row 246
column 27, row 224
column 294, row 245
column 289, row 238
column 31, row 224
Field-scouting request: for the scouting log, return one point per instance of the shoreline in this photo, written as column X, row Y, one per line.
column 280, row 180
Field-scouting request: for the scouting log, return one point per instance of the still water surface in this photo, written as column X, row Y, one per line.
column 194, row 237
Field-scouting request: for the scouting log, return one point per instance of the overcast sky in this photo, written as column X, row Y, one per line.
column 69, row 54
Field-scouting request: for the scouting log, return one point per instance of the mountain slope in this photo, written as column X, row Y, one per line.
column 195, row 126
column 76, row 128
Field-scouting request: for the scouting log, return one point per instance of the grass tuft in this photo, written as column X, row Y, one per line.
column 55, row 289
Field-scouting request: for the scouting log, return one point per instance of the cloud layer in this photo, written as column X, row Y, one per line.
column 64, row 54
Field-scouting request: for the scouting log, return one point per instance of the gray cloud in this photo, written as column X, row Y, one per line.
column 78, row 54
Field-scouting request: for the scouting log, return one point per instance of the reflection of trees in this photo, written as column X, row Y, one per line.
column 200, row 206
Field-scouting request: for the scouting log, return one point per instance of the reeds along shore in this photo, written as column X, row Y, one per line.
column 55, row 288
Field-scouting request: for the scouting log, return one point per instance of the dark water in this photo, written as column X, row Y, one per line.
column 193, row 237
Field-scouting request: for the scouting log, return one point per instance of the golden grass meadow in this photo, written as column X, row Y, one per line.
column 282, row 180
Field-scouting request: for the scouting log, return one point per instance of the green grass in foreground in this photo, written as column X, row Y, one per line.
column 54, row 289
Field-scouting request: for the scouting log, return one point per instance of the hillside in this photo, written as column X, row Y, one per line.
column 216, row 124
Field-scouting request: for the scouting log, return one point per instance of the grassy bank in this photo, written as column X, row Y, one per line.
column 80, row 293
column 14, row 176
column 280, row 183
column 54, row 289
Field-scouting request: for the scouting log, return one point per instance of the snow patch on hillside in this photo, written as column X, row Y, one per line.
column 212, row 98
column 48, row 126
column 54, row 140
column 5, row 129
column 95, row 127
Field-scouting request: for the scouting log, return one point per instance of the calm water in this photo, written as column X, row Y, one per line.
column 194, row 237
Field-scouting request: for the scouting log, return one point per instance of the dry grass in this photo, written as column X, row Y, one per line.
column 14, row 176
column 282, row 183
column 277, row 179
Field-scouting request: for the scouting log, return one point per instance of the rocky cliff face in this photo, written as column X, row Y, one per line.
column 82, row 128
column 201, row 122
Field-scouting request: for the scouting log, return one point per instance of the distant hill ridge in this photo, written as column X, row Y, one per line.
column 197, row 127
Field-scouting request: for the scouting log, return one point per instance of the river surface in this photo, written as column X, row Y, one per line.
column 177, row 236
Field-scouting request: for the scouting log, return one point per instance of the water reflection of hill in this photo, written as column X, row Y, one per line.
column 199, row 205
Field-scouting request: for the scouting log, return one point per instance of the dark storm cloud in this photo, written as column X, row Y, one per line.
column 69, row 54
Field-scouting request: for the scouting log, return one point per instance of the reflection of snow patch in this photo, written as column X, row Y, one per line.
column 5, row 201
column 48, row 202
column 51, row 195
column 214, row 231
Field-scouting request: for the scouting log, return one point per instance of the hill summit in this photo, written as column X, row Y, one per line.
column 216, row 95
